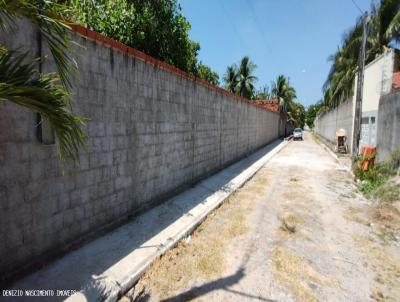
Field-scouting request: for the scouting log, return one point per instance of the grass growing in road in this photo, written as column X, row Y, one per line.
column 201, row 258
column 297, row 275
column 290, row 221
column 387, row 192
column 385, row 263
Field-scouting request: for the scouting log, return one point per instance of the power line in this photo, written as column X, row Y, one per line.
column 259, row 27
column 233, row 25
column 257, row 23
column 355, row 4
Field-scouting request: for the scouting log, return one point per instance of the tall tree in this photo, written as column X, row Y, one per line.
column 231, row 78
column 205, row 72
column 383, row 31
column 262, row 94
column 282, row 90
column 297, row 113
column 156, row 27
column 246, row 79
column 311, row 113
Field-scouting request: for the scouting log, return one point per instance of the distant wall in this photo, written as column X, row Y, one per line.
column 377, row 82
column 152, row 131
column 340, row 117
column 388, row 137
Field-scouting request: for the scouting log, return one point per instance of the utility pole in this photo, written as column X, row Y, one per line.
column 359, row 93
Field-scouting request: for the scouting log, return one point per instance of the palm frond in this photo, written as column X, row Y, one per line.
column 21, row 84
column 393, row 29
column 54, row 30
column 231, row 78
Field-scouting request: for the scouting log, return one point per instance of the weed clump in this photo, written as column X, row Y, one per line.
column 373, row 179
column 289, row 222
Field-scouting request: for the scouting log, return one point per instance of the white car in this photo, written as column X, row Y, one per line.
column 297, row 134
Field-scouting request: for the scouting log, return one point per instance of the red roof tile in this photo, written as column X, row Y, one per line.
column 269, row 104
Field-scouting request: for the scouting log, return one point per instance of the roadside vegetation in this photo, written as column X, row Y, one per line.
column 379, row 181
column 312, row 112
column 201, row 256
column 383, row 32
column 158, row 28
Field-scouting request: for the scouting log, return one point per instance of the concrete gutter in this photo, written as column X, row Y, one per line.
column 106, row 268
column 333, row 154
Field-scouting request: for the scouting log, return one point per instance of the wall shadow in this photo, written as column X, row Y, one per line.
column 88, row 263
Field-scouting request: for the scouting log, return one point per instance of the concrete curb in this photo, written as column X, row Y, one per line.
column 131, row 280
column 322, row 143
column 106, row 268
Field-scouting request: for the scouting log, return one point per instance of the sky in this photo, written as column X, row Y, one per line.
column 290, row 37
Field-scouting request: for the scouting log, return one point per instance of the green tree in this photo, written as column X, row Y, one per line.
column 21, row 82
column 262, row 94
column 297, row 112
column 312, row 112
column 246, row 79
column 156, row 27
column 282, row 89
column 231, row 78
column 285, row 92
column 204, row 72
column 383, row 30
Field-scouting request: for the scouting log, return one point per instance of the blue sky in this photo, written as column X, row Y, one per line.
column 291, row 37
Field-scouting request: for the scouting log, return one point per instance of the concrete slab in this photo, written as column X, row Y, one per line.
column 107, row 267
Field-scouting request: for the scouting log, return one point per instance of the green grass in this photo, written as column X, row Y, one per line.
column 375, row 181
column 387, row 192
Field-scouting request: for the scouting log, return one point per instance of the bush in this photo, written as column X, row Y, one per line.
column 378, row 174
column 158, row 28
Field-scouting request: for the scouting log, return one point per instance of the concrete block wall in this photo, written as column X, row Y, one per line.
column 388, row 134
column 340, row 117
column 150, row 133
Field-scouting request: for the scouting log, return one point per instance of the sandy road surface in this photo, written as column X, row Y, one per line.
column 298, row 231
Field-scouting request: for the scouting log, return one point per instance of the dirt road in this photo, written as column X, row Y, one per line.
column 298, row 231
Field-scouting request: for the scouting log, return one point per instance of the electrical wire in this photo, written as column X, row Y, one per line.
column 259, row 27
column 242, row 44
column 355, row 4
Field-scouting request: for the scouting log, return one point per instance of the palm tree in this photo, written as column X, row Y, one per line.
column 262, row 94
column 387, row 19
column 246, row 79
column 231, row 78
column 282, row 90
column 22, row 84
column 340, row 82
column 383, row 30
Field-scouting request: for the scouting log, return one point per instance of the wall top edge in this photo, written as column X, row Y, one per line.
column 93, row 35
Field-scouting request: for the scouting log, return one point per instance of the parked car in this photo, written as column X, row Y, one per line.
column 297, row 134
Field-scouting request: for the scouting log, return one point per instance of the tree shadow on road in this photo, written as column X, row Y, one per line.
column 222, row 283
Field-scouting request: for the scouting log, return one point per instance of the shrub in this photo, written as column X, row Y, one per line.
column 378, row 174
